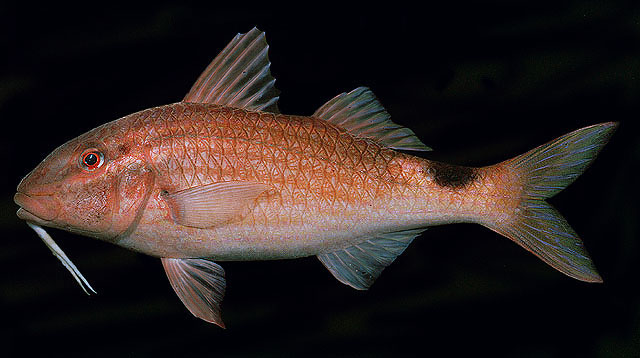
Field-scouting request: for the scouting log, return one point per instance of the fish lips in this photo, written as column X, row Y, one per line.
column 36, row 208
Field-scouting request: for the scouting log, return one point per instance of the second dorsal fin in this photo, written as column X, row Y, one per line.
column 360, row 113
column 239, row 76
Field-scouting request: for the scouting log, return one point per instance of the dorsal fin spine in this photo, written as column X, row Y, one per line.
column 215, row 62
column 258, row 76
column 221, row 75
column 269, row 103
column 233, row 68
column 239, row 76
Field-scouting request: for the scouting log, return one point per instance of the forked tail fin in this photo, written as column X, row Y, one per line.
column 541, row 173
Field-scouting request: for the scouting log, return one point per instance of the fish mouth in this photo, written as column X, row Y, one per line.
column 36, row 208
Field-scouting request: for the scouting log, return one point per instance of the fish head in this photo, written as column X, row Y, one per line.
column 93, row 185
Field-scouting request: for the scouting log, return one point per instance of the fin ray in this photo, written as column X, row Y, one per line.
column 542, row 173
column 239, row 76
column 200, row 285
column 360, row 113
column 359, row 265
column 541, row 230
column 213, row 204
column 551, row 167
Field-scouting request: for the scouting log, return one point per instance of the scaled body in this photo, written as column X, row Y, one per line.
column 326, row 188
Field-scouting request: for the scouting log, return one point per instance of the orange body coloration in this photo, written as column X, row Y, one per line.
column 326, row 188
column 223, row 176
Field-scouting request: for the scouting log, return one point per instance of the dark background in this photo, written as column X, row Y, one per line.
column 480, row 82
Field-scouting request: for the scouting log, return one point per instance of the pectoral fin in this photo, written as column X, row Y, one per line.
column 358, row 266
column 200, row 284
column 213, row 204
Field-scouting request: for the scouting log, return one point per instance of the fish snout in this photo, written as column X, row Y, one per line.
column 43, row 207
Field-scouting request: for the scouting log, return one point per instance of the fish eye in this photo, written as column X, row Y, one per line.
column 91, row 159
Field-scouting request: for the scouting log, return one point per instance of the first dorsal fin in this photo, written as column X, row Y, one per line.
column 239, row 76
column 360, row 113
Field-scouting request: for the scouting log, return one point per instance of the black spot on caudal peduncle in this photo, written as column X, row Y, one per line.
column 451, row 176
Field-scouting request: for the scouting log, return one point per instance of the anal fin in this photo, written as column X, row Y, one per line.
column 199, row 284
column 358, row 266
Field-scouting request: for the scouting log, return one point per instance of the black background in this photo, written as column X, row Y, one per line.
column 479, row 82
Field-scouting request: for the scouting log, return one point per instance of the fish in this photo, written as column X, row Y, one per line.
column 222, row 175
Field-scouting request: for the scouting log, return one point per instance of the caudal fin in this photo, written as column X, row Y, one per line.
column 541, row 173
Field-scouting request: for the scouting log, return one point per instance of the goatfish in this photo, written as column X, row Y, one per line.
column 222, row 175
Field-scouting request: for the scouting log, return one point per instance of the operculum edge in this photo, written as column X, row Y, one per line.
column 134, row 194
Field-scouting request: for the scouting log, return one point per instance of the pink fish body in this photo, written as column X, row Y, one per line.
column 222, row 176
